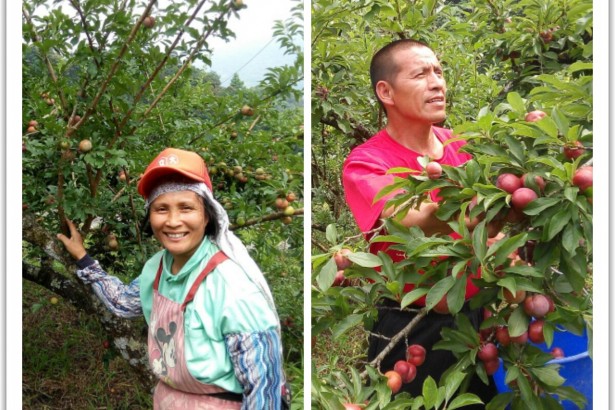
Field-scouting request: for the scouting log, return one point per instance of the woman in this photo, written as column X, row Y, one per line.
column 214, row 337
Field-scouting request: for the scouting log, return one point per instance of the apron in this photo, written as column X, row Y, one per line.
column 177, row 388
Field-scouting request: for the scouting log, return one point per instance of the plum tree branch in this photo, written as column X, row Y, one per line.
column 160, row 65
column 359, row 131
column 270, row 217
column 129, row 336
column 396, row 339
column 188, row 61
column 36, row 39
column 231, row 116
column 116, row 63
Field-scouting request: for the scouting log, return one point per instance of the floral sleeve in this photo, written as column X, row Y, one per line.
column 121, row 299
column 258, row 367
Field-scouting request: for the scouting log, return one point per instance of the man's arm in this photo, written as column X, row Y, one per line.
column 425, row 218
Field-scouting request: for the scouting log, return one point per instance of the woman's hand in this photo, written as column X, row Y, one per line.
column 74, row 244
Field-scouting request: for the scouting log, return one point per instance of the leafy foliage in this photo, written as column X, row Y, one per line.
column 501, row 61
column 95, row 71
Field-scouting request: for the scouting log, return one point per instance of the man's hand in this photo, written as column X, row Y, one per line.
column 74, row 244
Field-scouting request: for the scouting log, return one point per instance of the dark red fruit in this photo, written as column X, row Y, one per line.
column 502, row 336
column 535, row 331
column 394, row 380
column 522, row 197
column 583, row 178
column 557, row 353
column 442, row 306
column 513, row 216
column 434, row 170
column 491, row 366
column 415, row 354
column 540, row 182
column 487, row 352
column 521, row 339
column 508, row 182
column 518, row 297
column 340, row 279
column 574, row 150
column 406, row 370
column 535, row 115
column 536, row 306
column 341, row 258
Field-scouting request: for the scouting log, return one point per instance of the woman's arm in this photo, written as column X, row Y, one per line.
column 122, row 300
column 257, row 362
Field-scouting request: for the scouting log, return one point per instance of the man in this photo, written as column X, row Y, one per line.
column 408, row 81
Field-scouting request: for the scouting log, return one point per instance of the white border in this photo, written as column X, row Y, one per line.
column 601, row 142
column 13, row 210
column 307, row 198
column 3, row 213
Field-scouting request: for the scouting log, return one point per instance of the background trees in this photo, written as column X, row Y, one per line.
column 108, row 84
column 501, row 60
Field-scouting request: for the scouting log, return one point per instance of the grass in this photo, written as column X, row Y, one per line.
column 65, row 363
column 350, row 350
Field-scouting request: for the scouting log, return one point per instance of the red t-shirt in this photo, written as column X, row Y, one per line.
column 364, row 175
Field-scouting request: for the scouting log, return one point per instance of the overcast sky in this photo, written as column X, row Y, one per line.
column 254, row 31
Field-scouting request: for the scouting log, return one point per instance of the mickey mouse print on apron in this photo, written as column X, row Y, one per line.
column 177, row 388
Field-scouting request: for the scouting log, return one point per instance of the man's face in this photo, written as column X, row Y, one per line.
column 418, row 90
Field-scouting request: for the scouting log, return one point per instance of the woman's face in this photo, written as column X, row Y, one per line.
column 178, row 221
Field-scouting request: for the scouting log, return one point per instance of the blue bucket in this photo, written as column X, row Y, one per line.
column 576, row 367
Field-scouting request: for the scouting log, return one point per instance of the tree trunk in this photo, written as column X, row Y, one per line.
column 129, row 335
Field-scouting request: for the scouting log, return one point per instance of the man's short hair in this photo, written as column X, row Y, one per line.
column 382, row 67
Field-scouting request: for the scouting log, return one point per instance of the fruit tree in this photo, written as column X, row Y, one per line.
column 109, row 84
column 519, row 80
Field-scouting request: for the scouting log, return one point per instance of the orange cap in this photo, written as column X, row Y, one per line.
column 173, row 161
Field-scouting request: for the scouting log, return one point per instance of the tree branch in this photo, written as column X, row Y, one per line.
column 196, row 49
column 129, row 336
column 359, row 132
column 396, row 339
column 270, row 217
column 52, row 73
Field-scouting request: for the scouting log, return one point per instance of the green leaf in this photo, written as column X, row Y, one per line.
column 500, row 401
column 346, row 324
column 456, row 297
column 430, row 392
column 560, row 120
column 367, row 260
column 518, row 323
column 413, row 296
column 539, row 205
column 437, row 291
column 331, row 234
column 479, row 241
column 508, row 283
column 504, row 247
column 548, row 375
column 579, row 66
column 463, row 400
column 527, row 393
column 548, row 126
column 390, row 189
column 557, row 223
column 452, row 383
column 516, row 149
column 326, row 276
column 516, row 102
column 570, row 238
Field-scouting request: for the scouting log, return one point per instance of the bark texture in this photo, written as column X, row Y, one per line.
column 128, row 335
